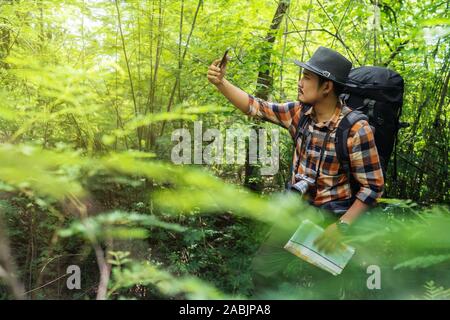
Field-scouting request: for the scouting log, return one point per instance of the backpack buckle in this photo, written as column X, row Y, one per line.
column 344, row 97
column 370, row 104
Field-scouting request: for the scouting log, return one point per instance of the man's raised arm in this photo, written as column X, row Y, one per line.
column 278, row 113
column 236, row 96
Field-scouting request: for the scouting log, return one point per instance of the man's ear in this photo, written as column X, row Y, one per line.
column 328, row 87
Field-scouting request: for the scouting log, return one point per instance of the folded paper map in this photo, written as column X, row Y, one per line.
column 302, row 245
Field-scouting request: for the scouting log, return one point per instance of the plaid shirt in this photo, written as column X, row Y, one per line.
column 332, row 183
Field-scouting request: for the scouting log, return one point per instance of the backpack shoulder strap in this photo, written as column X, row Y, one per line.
column 301, row 122
column 342, row 133
column 343, row 130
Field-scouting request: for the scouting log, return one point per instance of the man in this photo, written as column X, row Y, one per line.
column 320, row 86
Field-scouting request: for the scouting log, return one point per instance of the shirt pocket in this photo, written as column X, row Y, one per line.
column 330, row 163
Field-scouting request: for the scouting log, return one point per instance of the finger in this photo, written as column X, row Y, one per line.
column 216, row 62
column 213, row 73
column 319, row 247
column 330, row 246
column 323, row 242
column 324, row 246
column 214, row 68
column 213, row 79
column 317, row 241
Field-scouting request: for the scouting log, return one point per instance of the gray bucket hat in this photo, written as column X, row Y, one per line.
column 328, row 64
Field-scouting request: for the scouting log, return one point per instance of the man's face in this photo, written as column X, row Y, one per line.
column 309, row 91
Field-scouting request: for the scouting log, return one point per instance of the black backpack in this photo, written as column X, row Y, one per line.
column 374, row 94
column 377, row 93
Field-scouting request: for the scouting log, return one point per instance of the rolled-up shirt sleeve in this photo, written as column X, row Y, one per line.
column 365, row 162
column 279, row 113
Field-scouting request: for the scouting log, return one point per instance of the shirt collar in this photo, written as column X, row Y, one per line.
column 331, row 123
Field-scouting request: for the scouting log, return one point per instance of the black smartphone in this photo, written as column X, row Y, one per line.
column 224, row 59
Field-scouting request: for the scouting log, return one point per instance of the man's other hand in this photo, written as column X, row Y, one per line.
column 330, row 240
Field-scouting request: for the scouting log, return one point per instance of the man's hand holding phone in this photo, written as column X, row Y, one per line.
column 217, row 70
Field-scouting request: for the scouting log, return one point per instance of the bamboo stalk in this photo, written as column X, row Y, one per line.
column 128, row 69
column 177, row 81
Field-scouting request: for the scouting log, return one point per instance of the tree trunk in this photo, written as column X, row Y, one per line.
column 150, row 106
column 264, row 86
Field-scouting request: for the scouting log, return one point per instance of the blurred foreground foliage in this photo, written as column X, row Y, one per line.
column 190, row 230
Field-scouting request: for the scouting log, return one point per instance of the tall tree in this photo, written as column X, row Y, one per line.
column 264, row 86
